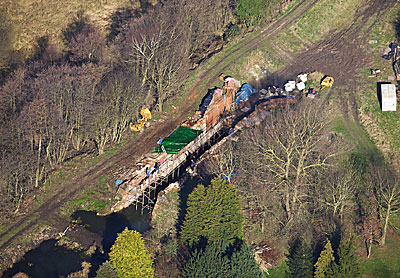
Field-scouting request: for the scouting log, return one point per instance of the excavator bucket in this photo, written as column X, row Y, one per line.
column 327, row 81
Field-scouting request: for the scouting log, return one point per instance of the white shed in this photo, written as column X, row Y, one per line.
column 388, row 93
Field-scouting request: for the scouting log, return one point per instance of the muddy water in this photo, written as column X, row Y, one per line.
column 109, row 226
column 50, row 260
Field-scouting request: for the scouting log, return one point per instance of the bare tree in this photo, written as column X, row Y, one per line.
column 370, row 224
column 171, row 61
column 139, row 44
column 223, row 161
column 286, row 151
column 387, row 194
column 116, row 104
column 206, row 22
column 155, row 48
column 87, row 45
column 336, row 191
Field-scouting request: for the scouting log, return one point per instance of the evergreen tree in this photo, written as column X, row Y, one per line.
column 209, row 263
column 243, row 264
column 213, row 213
column 300, row 260
column 106, row 271
column 129, row 257
column 347, row 261
column 324, row 267
column 214, row 263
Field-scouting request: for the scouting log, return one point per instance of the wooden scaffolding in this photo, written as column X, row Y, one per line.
column 142, row 189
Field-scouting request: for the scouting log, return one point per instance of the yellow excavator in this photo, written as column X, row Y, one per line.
column 146, row 115
column 327, row 81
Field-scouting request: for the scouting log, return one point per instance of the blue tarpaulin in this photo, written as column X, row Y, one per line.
column 118, row 182
column 390, row 54
column 206, row 101
column 244, row 93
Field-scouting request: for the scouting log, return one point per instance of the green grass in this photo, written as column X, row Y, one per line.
column 385, row 261
column 86, row 203
column 15, row 231
column 102, row 183
column 388, row 122
column 289, row 8
column 279, row 271
column 95, row 198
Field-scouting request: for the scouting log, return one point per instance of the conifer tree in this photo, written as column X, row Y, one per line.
column 209, row 263
column 106, row 271
column 243, row 264
column 300, row 260
column 347, row 264
column 214, row 263
column 324, row 267
column 213, row 213
column 129, row 257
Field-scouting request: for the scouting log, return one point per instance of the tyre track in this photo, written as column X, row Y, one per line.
column 248, row 45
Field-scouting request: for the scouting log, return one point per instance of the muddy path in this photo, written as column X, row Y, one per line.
column 340, row 56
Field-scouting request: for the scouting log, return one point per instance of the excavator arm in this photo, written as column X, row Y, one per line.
column 146, row 115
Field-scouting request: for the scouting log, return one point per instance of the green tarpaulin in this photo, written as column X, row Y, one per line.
column 178, row 139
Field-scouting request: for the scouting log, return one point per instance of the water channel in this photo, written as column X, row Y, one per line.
column 50, row 260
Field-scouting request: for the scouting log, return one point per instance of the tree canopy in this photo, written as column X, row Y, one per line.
column 326, row 262
column 299, row 260
column 213, row 213
column 129, row 257
column 212, row 262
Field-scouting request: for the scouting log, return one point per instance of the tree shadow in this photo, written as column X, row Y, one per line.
column 397, row 26
column 76, row 26
column 122, row 16
column 48, row 260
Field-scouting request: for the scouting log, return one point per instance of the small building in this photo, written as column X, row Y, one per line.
column 388, row 97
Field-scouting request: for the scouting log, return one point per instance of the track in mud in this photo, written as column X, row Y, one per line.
column 340, row 56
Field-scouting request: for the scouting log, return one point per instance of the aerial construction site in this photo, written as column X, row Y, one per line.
column 221, row 114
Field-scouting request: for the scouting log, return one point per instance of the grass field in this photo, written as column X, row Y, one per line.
column 33, row 19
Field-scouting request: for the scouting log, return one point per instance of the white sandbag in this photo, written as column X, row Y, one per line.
column 301, row 86
column 302, row 77
column 288, row 88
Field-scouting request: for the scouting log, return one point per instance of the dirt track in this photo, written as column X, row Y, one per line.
column 339, row 56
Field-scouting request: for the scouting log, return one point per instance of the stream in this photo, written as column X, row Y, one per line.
column 50, row 260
